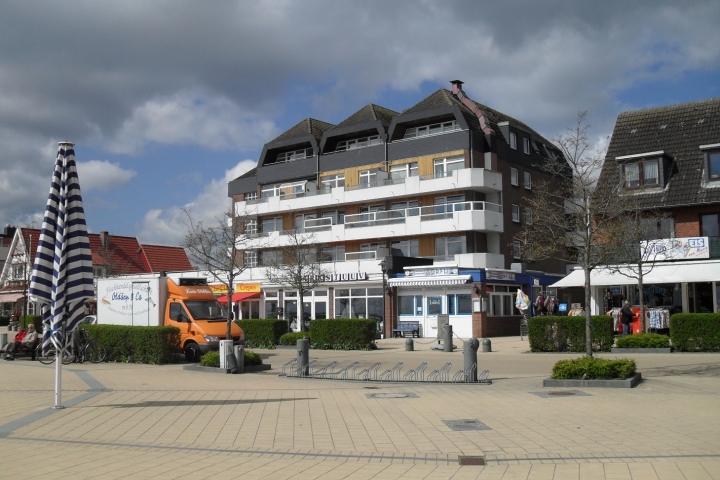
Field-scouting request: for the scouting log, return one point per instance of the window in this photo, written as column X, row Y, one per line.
column 516, row 249
column 358, row 143
column 409, row 248
column 371, row 247
column 280, row 189
column 528, row 216
column 332, row 181
column 250, row 258
column 337, row 216
column 18, row 270
column 177, row 312
column 372, row 208
column 514, row 176
column 710, row 225
column 449, row 246
column 335, row 253
column 528, row 180
column 445, row 166
column 411, row 207
column 404, row 170
column 641, row 174
column 434, row 129
column 251, row 226
column 360, row 303
column 300, row 220
column 272, row 257
column 272, row 224
column 459, row 304
column 251, row 196
column 368, row 177
column 294, row 155
column 526, row 145
column 434, row 305
column 513, row 141
column 516, row 213
column 502, row 304
column 713, row 165
column 410, row 305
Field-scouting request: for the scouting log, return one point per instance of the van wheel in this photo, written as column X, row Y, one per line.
column 192, row 352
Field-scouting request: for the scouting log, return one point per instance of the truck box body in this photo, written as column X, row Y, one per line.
column 185, row 303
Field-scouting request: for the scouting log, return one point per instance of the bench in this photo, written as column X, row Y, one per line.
column 404, row 327
column 22, row 350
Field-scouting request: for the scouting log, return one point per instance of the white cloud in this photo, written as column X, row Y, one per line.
column 189, row 118
column 168, row 226
column 102, row 175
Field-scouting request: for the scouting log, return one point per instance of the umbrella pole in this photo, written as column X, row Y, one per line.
column 58, row 379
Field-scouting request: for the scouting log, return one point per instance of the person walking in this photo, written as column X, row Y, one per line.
column 627, row 317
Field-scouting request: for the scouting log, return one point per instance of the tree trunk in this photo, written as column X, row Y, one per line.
column 229, row 311
column 642, row 297
column 588, row 316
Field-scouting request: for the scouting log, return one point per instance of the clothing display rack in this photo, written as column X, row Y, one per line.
column 545, row 303
column 659, row 318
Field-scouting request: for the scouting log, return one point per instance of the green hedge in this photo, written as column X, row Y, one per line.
column 157, row 345
column 695, row 332
column 567, row 334
column 644, row 340
column 292, row 338
column 593, row 369
column 262, row 333
column 36, row 320
column 212, row 359
column 343, row 334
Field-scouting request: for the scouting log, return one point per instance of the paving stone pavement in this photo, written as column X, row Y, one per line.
column 148, row 421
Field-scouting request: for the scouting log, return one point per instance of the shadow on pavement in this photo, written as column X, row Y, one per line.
column 190, row 403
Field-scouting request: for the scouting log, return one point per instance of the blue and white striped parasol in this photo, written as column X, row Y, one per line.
column 62, row 276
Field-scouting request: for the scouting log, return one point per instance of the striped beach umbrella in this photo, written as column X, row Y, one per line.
column 62, row 276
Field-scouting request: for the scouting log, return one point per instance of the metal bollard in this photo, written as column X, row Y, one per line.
column 409, row 345
column 231, row 363
column 447, row 338
column 239, row 351
column 303, row 357
column 3, row 340
column 470, row 348
column 486, row 345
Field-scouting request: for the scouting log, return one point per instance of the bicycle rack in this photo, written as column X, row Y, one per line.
column 390, row 374
column 289, row 365
column 463, row 375
column 327, row 370
column 412, row 375
column 484, row 377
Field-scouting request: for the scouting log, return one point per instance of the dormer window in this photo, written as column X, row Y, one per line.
column 712, row 162
column 358, row 143
column 641, row 174
column 294, row 155
column 513, row 140
column 433, row 129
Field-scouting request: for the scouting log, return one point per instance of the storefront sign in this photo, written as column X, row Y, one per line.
column 218, row 288
column 343, row 277
column 247, row 288
column 495, row 275
column 675, row 249
column 430, row 272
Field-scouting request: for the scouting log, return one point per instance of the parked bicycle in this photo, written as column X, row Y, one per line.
column 84, row 349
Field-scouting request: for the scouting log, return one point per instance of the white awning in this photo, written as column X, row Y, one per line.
column 10, row 297
column 676, row 272
column 437, row 280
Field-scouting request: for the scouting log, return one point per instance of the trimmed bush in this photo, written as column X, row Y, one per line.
column 210, row 359
column 155, row 345
column 292, row 338
column 695, row 332
column 567, row 334
column 262, row 333
column 343, row 334
column 594, row 369
column 644, row 340
column 36, row 320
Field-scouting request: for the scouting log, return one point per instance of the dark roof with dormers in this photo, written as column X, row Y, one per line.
column 679, row 131
column 369, row 113
column 308, row 126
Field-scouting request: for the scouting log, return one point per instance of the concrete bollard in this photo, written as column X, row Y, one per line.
column 409, row 345
column 470, row 348
column 447, row 338
column 240, row 355
column 486, row 345
column 303, row 357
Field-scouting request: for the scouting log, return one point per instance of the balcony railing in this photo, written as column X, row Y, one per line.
column 428, row 213
column 378, row 183
column 369, row 255
column 289, row 196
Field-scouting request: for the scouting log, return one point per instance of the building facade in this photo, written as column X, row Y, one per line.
column 668, row 160
column 414, row 214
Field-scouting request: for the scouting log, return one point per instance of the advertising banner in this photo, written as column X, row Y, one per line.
column 690, row 248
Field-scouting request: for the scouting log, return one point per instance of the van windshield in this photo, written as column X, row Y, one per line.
column 205, row 310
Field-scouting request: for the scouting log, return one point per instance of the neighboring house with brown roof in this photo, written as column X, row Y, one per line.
column 111, row 255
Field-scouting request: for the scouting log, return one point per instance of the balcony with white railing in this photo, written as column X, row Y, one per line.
column 477, row 179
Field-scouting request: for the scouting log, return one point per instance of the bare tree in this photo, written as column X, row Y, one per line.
column 297, row 265
column 217, row 247
column 570, row 221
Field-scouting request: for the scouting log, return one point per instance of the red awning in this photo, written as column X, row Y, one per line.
column 10, row 297
column 236, row 297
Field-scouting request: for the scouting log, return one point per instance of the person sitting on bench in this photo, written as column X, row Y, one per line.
column 22, row 340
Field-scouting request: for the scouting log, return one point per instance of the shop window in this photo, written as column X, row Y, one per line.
column 410, row 305
column 271, row 309
column 360, row 303
column 434, row 305
column 459, row 304
column 514, row 176
column 250, row 309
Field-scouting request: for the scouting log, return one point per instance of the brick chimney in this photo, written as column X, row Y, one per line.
column 104, row 239
column 456, row 86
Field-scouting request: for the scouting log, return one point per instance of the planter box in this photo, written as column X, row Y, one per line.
column 627, row 383
column 641, row 350
column 248, row 369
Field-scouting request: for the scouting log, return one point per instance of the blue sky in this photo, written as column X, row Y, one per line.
column 168, row 100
